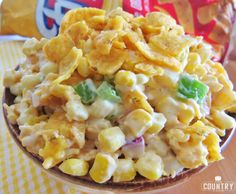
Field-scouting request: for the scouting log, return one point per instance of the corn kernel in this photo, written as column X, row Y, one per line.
column 11, row 77
column 193, row 61
column 222, row 120
column 212, row 82
column 53, row 152
column 138, row 121
column 101, row 108
column 136, row 99
column 30, row 81
column 75, row 167
column 150, row 166
column 31, row 47
column 49, row 67
column 83, row 67
column 94, row 126
column 12, row 113
column 158, row 122
column 111, row 139
column 62, row 91
column 125, row 170
column 16, row 89
column 156, row 144
column 75, row 110
column 52, row 147
column 225, row 81
column 125, row 78
column 49, row 163
column 142, row 79
column 103, row 168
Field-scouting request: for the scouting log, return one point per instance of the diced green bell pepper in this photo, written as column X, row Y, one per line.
column 107, row 91
column 188, row 87
column 87, row 91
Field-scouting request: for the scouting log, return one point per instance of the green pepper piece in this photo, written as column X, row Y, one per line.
column 87, row 91
column 107, row 91
column 188, row 87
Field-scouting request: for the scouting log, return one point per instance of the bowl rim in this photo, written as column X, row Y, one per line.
column 140, row 185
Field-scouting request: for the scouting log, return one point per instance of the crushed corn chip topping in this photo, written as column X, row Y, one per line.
column 115, row 95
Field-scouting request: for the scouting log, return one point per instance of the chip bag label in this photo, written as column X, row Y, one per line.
column 211, row 19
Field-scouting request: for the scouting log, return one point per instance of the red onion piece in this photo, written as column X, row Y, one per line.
column 134, row 149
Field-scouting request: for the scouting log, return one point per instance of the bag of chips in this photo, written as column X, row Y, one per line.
column 211, row 19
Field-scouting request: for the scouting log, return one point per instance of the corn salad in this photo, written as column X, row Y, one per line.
column 114, row 95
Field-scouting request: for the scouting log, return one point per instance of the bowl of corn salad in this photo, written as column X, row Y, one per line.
column 120, row 103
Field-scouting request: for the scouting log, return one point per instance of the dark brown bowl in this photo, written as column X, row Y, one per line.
column 139, row 184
